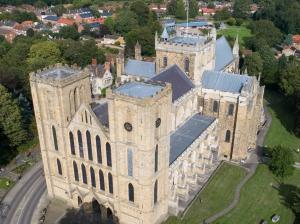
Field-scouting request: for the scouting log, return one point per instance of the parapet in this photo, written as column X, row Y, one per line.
column 58, row 74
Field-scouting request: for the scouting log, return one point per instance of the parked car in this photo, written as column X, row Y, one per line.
column 275, row 218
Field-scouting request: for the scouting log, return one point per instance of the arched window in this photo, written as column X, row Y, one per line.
column 186, row 65
column 108, row 155
column 99, row 153
column 80, row 146
column 129, row 162
column 75, row 168
column 83, row 170
column 216, row 106
column 130, row 193
column 89, row 145
column 93, row 180
column 110, row 183
column 54, row 138
column 72, row 145
column 227, row 136
column 165, row 61
column 156, row 159
column 59, row 170
column 230, row 109
column 155, row 192
column 101, row 180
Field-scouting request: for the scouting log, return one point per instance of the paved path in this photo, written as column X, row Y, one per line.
column 24, row 197
column 297, row 165
column 251, row 165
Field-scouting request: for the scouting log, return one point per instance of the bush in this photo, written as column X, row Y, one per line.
column 239, row 22
column 217, row 25
column 231, row 21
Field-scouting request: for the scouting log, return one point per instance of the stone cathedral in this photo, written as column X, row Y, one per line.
column 145, row 150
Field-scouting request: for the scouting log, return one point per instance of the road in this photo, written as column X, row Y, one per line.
column 24, row 197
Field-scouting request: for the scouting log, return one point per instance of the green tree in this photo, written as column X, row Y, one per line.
column 282, row 161
column 270, row 66
column 40, row 4
column 43, row 54
column 241, row 9
column 11, row 119
column 254, row 64
column 223, row 14
column 141, row 10
column 180, row 10
column 172, row 7
column 125, row 21
column 59, row 9
column 30, row 32
column 288, row 40
column 110, row 23
column 69, row 32
column 193, row 8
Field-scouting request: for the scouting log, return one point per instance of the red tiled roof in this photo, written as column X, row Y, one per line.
column 296, row 39
column 66, row 21
column 208, row 10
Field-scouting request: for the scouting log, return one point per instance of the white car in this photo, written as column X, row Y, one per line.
column 275, row 218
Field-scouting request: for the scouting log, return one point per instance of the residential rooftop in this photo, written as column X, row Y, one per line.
column 185, row 135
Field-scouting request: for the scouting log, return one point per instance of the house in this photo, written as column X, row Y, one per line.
column 50, row 19
column 65, row 22
column 113, row 39
column 104, row 13
column 101, row 76
column 208, row 11
column 9, row 34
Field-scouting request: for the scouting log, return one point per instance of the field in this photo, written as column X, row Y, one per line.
column 263, row 197
column 232, row 31
column 215, row 197
column 283, row 122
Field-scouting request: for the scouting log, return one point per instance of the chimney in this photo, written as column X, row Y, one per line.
column 106, row 66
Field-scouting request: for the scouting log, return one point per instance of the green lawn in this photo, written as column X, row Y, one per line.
column 3, row 183
column 232, row 31
column 262, row 197
column 283, row 122
column 215, row 197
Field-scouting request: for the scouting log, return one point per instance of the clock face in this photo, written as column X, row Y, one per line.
column 157, row 122
column 128, row 126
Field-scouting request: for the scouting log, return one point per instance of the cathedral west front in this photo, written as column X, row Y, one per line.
column 145, row 150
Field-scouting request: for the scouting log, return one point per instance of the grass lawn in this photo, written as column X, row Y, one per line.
column 3, row 182
column 260, row 200
column 215, row 197
column 232, row 31
column 283, row 122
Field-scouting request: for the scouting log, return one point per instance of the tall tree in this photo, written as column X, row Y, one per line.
column 126, row 21
column 180, row 10
column 141, row 10
column 254, row 64
column 241, row 9
column 269, row 72
column 11, row 119
column 172, row 7
column 193, row 8
column 282, row 161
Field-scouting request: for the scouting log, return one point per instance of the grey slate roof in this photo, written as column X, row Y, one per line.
column 101, row 111
column 138, row 89
column 184, row 136
column 223, row 54
column 140, row 68
column 181, row 84
column 187, row 40
column 226, row 82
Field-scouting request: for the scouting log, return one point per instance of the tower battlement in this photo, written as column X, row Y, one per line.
column 58, row 74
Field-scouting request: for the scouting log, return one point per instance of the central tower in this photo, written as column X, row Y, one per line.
column 140, row 132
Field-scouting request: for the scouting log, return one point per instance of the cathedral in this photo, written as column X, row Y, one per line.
column 145, row 150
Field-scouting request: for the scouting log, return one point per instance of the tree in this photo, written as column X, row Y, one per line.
column 110, row 23
column 10, row 119
column 254, row 64
column 141, row 10
column 266, row 30
column 125, row 21
column 269, row 72
column 30, row 32
column 282, row 161
column 40, row 4
column 172, row 7
column 180, row 10
column 193, row 8
column 290, row 83
column 69, row 32
column 241, row 9
column 288, row 40
column 43, row 54
column 223, row 14
column 59, row 9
